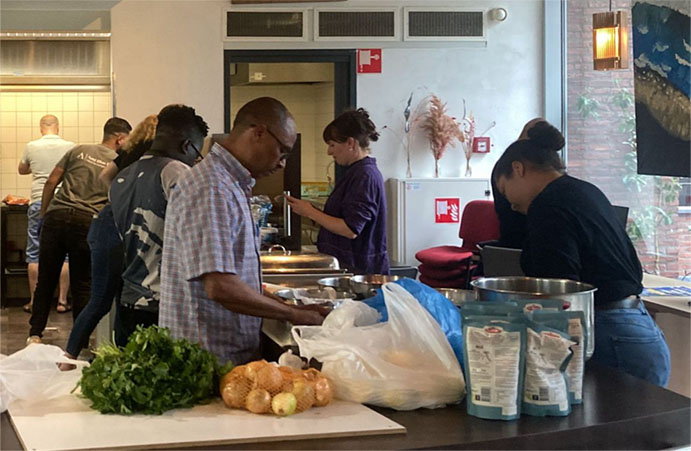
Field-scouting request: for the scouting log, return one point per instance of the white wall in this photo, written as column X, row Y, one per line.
column 168, row 52
column 172, row 51
column 502, row 82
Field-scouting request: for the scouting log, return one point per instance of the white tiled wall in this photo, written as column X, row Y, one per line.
column 313, row 108
column 81, row 116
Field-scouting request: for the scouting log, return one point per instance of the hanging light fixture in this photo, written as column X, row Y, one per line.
column 610, row 40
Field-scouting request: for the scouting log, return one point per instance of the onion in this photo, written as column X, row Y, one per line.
column 252, row 368
column 235, row 391
column 258, row 401
column 323, row 393
column 304, row 394
column 311, row 374
column 269, row 378
column 284, row 404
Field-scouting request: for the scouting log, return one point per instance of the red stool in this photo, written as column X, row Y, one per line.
column 452, row 266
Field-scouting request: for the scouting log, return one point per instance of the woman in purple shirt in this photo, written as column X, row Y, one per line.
column 354, row 217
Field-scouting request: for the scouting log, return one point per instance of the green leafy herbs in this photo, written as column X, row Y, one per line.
column 153, row 373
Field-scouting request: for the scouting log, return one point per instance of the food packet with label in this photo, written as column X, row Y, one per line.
column 575, row 327
column 547, row 354
column 529, row 305
column 485, row 308
column 493, row 348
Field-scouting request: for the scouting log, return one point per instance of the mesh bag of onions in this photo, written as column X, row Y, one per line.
column 265, row 387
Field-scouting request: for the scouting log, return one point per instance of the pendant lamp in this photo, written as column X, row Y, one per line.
column 610, row 40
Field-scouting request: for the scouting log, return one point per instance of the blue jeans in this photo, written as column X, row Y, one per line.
column 630, row 340
column 107, row 260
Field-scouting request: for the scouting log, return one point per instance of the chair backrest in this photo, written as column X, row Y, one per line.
column 478, row 223
column 501, row 261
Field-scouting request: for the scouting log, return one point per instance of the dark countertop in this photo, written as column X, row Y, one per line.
column 619, row 412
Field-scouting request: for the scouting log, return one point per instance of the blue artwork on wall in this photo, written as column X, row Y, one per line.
column 662, row 81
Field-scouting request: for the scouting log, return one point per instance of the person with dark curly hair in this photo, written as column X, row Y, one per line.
column 139, row 198
column 573, row 232
column 354, row 218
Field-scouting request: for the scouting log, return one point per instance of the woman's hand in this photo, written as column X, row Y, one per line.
column 300, row 207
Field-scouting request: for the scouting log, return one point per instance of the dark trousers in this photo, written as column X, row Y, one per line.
column 127, row 321
column 63, row 233
column 107, row 261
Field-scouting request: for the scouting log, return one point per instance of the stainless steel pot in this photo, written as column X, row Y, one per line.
column 580, row 295
column 457, row 296
column 367, row 285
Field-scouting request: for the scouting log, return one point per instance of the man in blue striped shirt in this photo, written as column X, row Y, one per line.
column 211, row 273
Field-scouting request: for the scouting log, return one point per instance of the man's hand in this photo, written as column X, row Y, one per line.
column 309, row 315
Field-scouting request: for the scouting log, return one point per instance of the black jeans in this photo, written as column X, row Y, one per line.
column 63, row 233
column 127, row 321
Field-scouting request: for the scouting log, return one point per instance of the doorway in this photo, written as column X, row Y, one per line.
column 338, row 93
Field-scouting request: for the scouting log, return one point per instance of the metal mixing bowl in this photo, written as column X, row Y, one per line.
column 337, row 283
column 366, row 285
column 315, row 293
column 456, row 295
column 580, row 295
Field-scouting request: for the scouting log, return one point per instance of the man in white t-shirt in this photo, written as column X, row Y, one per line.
column 39, row 159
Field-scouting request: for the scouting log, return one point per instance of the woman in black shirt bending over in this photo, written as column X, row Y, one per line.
column 573, row 233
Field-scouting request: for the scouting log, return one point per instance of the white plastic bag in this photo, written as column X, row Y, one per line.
column 32, row 374
column 404, row 363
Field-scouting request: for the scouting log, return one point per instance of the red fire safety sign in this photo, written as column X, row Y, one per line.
column 369, row 61
column 447, row 209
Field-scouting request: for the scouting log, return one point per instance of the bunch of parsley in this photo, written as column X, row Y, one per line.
column 153, row 373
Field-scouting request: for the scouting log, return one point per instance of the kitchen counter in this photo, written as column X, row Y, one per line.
column 673, row 315
column 619, row 412
column 669, row 304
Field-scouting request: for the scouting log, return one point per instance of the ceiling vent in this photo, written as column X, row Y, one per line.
column 366, row 24
column 45, row 62
column 266, row 25
column 444, row 24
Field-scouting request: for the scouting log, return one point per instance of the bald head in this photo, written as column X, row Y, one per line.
column 263, row 110
column 49, row 125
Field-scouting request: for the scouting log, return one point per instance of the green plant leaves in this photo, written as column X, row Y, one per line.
column 153, row 373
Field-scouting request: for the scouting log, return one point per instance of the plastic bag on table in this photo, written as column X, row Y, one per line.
column 403, row 363
column 32, row 374
column 442, row 309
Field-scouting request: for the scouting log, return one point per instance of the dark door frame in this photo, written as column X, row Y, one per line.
column 345, row 70
column 345, row 75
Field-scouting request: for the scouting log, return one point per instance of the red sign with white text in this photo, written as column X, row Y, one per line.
column 369, row 61
column 447, row 210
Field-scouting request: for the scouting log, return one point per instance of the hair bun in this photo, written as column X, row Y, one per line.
column 546, row 136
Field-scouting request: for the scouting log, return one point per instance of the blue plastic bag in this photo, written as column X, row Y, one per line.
column 441, row 309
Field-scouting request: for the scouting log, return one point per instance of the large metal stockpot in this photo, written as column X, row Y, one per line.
column 580, row 295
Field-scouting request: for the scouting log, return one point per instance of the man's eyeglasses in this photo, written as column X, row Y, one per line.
column 285, row 149
column 200, row 157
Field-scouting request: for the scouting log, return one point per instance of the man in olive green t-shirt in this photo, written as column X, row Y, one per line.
column 66, row 220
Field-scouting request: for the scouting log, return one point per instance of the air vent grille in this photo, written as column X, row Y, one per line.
column 54, row 58
column 445, row 24
column 381, row 24
column 265, row 24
